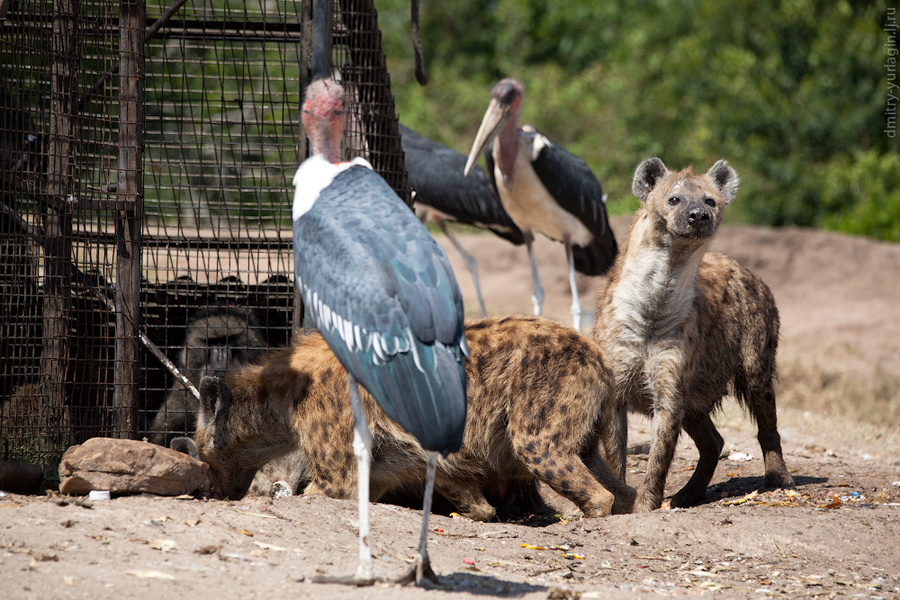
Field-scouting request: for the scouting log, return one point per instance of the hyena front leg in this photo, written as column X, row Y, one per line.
column 665, row 430
column 709, row 444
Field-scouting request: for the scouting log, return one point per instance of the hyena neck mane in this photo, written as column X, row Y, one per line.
column 656, row 282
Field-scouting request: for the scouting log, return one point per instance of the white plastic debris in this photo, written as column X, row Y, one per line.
column 98, row 495
column 740, row 456
column 281, row 489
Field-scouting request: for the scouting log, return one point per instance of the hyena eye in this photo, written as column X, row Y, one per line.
column 674, row 200
column 710, row 202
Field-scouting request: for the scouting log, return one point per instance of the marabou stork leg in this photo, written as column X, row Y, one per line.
column 471, row 263
column 421, row 568
column 576, row 302
column 538, row 298
column 362, row 448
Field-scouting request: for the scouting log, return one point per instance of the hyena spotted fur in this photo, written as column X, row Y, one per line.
column 540, row 407
column 679, row 324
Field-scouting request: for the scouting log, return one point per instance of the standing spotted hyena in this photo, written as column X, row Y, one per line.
column 679, row 324
column 540, row 407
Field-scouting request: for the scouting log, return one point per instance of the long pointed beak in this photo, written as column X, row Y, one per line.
column 494, row 119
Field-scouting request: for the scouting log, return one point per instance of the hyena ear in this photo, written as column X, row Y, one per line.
column 725, row 179
column 215, row 397
column 185, row 445
column 646, row 176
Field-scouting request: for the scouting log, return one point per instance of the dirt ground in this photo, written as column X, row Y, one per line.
column 836, row 535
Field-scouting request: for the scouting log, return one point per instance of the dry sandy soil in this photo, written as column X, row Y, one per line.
column 836, row 535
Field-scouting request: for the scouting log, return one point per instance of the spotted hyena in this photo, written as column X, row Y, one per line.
column 540, row 402
column 679, row 324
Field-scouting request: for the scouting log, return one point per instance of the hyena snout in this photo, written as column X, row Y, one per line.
column 697, row 220
column 698, row 216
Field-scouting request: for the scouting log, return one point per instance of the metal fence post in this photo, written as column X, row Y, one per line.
column 57, row 215
column 129, row 208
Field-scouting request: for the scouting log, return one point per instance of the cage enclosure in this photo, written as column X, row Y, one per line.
column 146, row 157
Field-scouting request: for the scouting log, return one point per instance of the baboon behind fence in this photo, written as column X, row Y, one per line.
column 214, row 341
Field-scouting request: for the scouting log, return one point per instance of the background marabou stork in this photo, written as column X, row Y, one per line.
column 545, row 189
column 443, row 193
column 383, row 295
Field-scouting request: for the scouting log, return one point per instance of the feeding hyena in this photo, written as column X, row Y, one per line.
column 540, row 407
column 679, row 324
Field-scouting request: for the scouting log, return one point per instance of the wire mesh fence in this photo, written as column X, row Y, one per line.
column 146, row 157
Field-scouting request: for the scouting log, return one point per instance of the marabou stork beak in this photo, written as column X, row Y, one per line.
column 494, row 119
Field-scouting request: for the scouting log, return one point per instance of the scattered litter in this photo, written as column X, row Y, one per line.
column 164, row 545
column 835, row 503
column 564, row 548
column 150, row 574
column 254, row 514
column 247, row 533
column 742, row 499
column 281, row 489
column 895, row 483
column 740, row 456
column 274, row 548
column 98, row 495
column 468, row 561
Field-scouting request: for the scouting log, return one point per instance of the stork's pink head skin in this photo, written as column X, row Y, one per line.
column 323, row 117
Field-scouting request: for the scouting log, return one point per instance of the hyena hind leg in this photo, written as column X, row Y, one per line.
column 762, row 408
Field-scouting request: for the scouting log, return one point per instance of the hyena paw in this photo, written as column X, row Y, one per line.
column 688, row 497
column 646, row 503
column 779, row 479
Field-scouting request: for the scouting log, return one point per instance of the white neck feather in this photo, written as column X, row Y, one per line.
column 313, row 176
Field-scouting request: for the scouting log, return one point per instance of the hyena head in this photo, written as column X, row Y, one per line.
column 688, row 205
column 231, row 469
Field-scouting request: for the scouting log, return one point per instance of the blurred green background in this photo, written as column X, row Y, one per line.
column 795, row 94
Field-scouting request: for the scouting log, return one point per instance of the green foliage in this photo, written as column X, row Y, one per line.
column 792, row 93
column 861, row 194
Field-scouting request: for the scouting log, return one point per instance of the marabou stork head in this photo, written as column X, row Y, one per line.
column 323, row 118
column 506, row 97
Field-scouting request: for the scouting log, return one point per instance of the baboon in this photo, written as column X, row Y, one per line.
column 214, row 341
column 679, row 324
column 539, row 408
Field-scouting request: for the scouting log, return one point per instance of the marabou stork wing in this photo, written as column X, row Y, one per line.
column 435, row 173
column 384, row 297
column 570, row 180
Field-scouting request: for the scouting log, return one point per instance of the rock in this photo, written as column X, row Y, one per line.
column 129, row 467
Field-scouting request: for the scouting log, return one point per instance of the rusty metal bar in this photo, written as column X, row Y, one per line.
column 130, row 195
column 151, row 31
column 57, row 215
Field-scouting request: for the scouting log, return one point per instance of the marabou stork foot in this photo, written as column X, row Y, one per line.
column 418, row 572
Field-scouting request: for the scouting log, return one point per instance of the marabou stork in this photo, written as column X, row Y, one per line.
column 443, row 193
column 383, row 295
column 545, row 189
